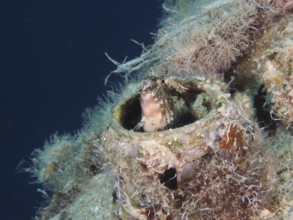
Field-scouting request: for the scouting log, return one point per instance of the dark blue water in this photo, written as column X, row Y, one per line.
column 52, row 66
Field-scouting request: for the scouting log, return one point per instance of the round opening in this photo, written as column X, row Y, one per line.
column 190, row 102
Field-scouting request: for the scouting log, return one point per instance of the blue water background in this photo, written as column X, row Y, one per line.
column 52, row 66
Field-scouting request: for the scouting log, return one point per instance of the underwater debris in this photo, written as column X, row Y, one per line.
column 196, row 161
column 179, row 142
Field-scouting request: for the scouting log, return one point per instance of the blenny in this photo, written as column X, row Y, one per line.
column 157, row 107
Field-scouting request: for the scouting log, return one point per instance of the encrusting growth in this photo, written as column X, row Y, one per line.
column 186, row 172
column 203, row 132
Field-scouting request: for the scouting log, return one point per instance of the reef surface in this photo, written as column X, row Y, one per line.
column 202, row 128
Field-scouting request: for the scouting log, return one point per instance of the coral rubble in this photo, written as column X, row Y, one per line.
column 204, row 131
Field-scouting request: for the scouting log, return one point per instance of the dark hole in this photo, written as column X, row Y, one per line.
column 263, row 115
column 207, row 156
column 242, row 80
column 184, row 119
column 150, row 213
column 114, row 196
column 279, row 172
column 169, row 178
column 152, row 210
column 272, row 56
column 131, row 113
column 94, row 169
